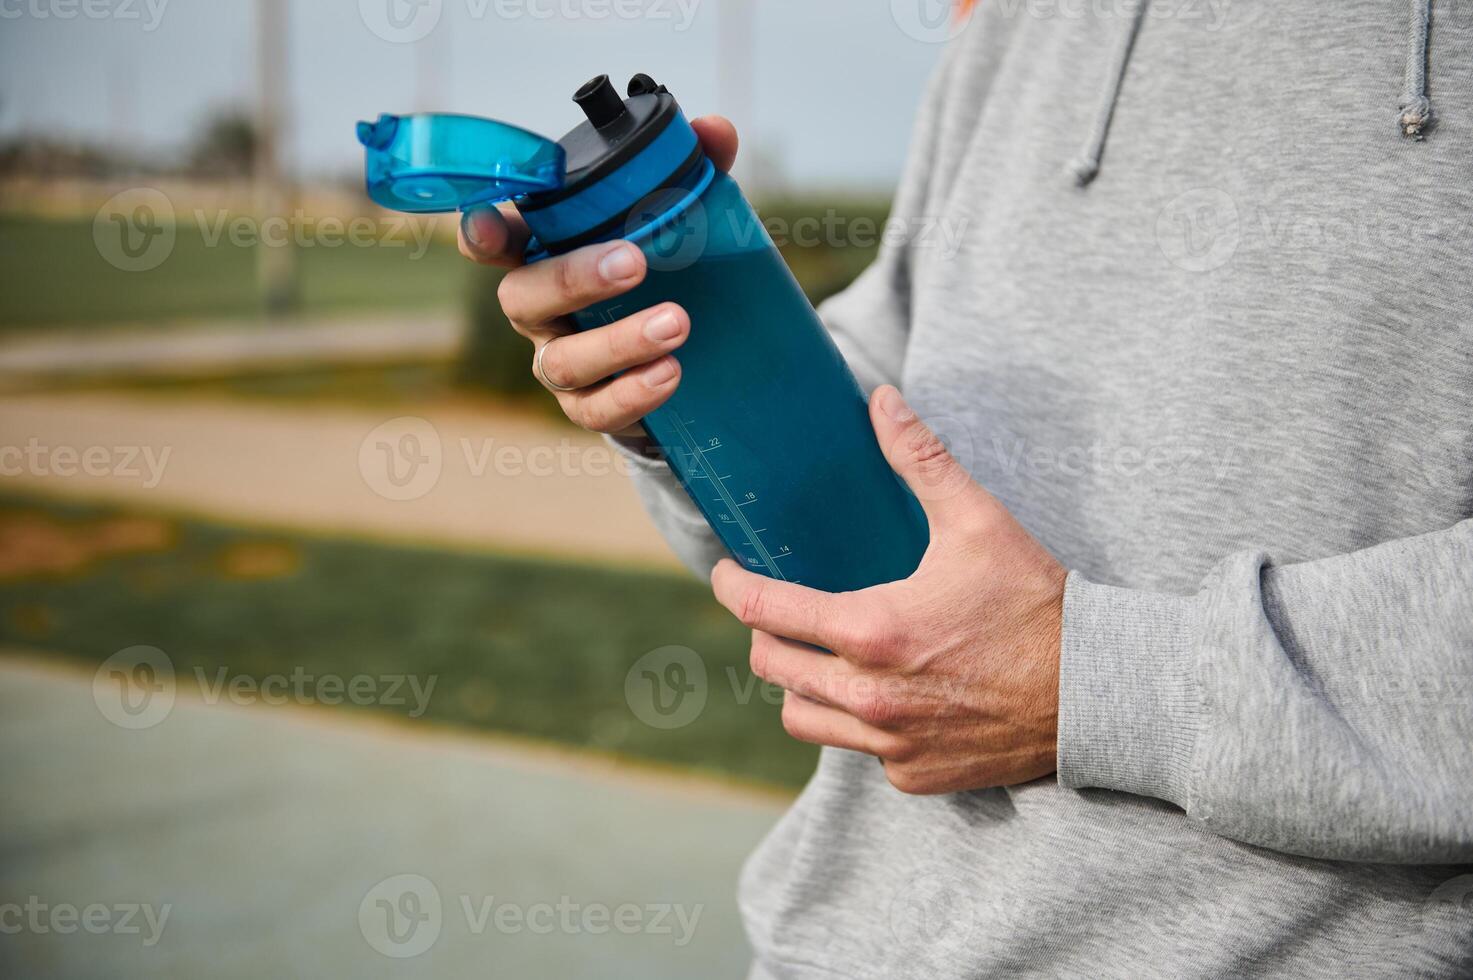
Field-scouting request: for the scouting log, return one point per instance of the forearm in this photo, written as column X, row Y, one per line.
column 1322, row 709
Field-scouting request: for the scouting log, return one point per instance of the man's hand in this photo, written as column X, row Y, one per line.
column 539, row 299
column 950, row 677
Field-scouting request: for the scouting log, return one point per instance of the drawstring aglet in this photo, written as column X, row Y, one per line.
column 1416, row 117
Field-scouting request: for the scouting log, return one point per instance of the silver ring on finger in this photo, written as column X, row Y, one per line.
column 542, row 372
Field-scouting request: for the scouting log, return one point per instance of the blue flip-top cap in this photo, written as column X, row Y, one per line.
column 441, row 162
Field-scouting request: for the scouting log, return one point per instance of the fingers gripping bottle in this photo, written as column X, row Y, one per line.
column 768, row 431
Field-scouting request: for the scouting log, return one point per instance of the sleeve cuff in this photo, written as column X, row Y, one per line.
column 632, row 452
column 659, row 487
column 1129, row 702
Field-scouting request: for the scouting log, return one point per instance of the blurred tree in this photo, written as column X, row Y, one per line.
column 41, row 156
column 227, row 146
column 496, row 357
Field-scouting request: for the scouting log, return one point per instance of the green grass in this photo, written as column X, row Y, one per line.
column 51, row 272
column 528, row 647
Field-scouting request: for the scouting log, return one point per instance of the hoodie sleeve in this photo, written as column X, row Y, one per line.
column 870, row 323
column 1323, row 709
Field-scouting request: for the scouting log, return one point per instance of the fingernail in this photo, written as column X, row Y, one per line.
column 618, row 264
column 661, row 327
column 468, row 229
column 659, row 373
column 894, row 406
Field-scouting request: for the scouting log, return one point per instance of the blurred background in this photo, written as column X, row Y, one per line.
column 327, row 648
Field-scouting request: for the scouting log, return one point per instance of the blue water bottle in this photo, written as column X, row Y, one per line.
column 768, row 431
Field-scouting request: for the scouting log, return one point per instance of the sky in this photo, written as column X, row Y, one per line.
column 834, row 83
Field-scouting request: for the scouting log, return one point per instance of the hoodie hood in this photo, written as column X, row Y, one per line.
column 1414, row 114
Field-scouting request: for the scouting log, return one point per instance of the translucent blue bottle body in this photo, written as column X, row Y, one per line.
column 768, row 430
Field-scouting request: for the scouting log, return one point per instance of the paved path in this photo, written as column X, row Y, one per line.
column 269, row 834
column 227, row 347
column 450, row 475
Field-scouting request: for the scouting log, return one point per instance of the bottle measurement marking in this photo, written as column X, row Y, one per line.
column 719, row 483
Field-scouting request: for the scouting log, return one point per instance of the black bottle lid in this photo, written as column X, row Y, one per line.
column 599, row 102
column 615, row 131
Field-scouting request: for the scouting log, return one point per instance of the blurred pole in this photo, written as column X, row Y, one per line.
column 734, row 43
column 123, row 105
column 434, row 70
column 276, row 272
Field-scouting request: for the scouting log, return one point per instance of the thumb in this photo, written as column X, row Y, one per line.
column 922, row 460
column 493, row 236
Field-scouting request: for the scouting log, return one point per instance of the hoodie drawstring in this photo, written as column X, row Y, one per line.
column 1416, row 108
column 1087, row 163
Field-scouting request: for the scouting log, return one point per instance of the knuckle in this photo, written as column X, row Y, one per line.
column 625, row 395
column 761, row 656
column 625, row 344
column 906, row 779
column 793, row 720
column 875, row 707
column 577, row 413
column 508, row 294
column 924, row 447
column 570, row 409
column 897, row 749
column 567, row 278
column 928, row 457
column 556, row 367
column 752, row 604
column 625, row 398
column 875, row 636
column 592, row 414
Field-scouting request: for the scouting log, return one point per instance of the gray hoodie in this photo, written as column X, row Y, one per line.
column 1196, row 304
